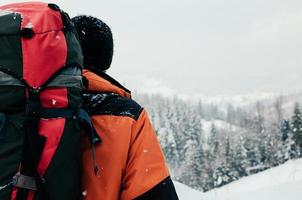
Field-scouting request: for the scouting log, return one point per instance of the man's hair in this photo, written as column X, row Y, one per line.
column 96, row 40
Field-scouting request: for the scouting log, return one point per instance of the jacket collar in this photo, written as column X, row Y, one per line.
column 102, row 82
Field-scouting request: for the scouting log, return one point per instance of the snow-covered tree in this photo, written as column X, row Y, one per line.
column 236, row 142
column 296, row 127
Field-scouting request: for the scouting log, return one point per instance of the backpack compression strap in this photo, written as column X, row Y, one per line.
column 2, row 127
column 34, row 143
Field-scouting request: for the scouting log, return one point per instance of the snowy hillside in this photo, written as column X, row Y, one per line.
column 279, row 183
column 186, row 193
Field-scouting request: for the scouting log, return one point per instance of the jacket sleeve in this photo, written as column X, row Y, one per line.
column 146, row 176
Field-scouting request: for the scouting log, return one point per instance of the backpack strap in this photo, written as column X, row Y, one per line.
column 34, row 143
column 81, row 116
column 2, row 127
column 13, row 74
column 85, row 118
column 92, row 135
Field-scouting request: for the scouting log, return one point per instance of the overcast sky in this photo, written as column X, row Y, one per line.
column 210, row 47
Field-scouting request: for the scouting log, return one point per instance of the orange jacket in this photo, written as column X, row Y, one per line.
column 130, row 161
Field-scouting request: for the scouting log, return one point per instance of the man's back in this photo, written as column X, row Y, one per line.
column 130, row 159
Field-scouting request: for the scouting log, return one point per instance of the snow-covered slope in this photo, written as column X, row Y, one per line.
column 186, row 193
column 279, row 183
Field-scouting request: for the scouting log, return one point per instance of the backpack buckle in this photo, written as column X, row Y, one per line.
column 26, row 182
column 33, row 102
column 35, row 91
column 27, row 33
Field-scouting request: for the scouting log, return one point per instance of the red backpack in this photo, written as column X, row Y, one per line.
column 40, row 101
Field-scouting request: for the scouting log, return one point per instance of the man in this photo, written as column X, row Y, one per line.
column 130, row 161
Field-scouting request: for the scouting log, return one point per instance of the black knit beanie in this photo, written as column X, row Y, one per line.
column 96, row 40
